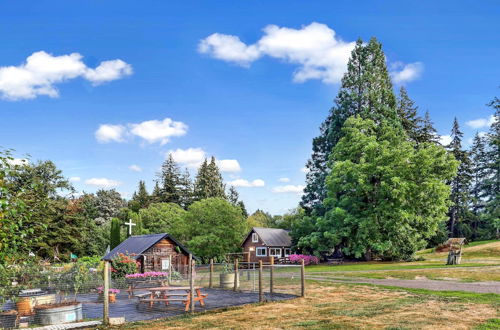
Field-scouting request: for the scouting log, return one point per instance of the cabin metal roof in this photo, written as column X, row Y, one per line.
column 272, row 236
column 136, row 245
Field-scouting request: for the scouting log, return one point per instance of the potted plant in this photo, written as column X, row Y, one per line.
column 227, row 277
column 58, row 313
column 111, row 294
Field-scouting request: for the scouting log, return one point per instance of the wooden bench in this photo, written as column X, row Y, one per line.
column 335, row 261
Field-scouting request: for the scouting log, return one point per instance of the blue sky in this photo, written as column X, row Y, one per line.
column 246, row 81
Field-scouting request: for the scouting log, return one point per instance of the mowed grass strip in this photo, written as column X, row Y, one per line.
column 328, row 306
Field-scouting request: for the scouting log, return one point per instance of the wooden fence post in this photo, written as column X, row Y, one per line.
column 261, row 293
column 210, row 281
column 191, row 285
column 271, row 280
column 190, row 259
column 106, row 293
column 170, row 269
column 235, row 287
column 302, row 279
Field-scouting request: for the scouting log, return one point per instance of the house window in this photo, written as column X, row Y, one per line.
column 261, row 252
column 165, row 264
column 273, row 252
column 287, row 252
column 255, row 238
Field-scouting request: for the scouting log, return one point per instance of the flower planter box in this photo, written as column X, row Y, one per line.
column 58, row 314
column 112, row 297
column 8, row 319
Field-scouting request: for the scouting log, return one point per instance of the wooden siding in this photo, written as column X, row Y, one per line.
column 251, row 256
column 151, row 260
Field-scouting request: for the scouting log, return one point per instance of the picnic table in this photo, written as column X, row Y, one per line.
column 168, row 294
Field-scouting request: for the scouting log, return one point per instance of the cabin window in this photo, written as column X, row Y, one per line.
column 287, row 252
column 275, row 252
column 261, row 252
column 165, row 264
column 255, row 238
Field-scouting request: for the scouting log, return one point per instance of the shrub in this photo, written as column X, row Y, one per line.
column 123, row 265
column 308, row 260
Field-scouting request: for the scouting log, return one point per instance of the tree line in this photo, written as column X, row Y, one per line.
column 380, row 185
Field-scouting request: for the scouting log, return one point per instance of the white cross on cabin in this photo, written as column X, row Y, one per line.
column 130, row 224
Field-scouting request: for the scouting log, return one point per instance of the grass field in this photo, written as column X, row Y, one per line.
column 480, row 262
column 340, row 306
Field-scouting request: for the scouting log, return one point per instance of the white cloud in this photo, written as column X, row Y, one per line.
column 103, row 182
column 135, row 168
column 402, row 73
column 229, row 165
column 191, row 157
column 246, row 183
column 481, row 122
column 158, row 130
column 75, row 179
column 304, row 170
column 41, row 71
column 284, row 180
column 107, row 133
column 445, row 140
column 150, row 130
column 289, row 189
column 315, row 48
column 17, row 161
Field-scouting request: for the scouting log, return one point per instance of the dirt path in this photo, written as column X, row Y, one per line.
column 478, row 287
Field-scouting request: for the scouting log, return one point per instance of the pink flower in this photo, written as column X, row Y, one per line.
column 308, row 260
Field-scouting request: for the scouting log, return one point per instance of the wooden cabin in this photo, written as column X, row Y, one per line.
column 154, row 253
column 264, row 243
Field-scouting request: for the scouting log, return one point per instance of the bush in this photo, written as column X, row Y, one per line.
column 123, row 265
column 308, row 260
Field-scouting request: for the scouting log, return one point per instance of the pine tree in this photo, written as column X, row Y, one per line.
column 492, row 183
column 209, row 181
column 186, row 189
column 366, row 90
column 243, row 209
column 141, row 198
column 115, row 236
column 156, row 195
column 460, row 186
column 407, row 111
column 427, row 132
column 233, row 196
column 479, row 170
column 170, row 180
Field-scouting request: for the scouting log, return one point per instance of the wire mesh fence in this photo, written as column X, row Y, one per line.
column 76, row 292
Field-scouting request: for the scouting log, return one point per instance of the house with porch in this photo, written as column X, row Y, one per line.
column 154, row 253
column 264, row 243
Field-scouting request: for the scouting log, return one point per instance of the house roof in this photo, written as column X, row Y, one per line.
column 137, row 245
column 272, row 236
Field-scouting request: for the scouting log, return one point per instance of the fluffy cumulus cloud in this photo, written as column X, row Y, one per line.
column 110, row 133
column 402, row 73
column 150, row 131
column 103, row 183
column 135, row 168
column 298, row 189
column 481, row 122
column 445, row 139
column 315, row 48
column 247, row 183
column 75, row 179
column 229, row 165
column 42, row 71
column 191, row 157
column 284, row 180
column 158, row 130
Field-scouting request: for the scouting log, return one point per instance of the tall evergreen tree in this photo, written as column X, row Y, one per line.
column 427, row 132
column 170, row 180
column 492, row 184
column 141, row 198
column 209, row 183
column 186, row 189
column 460, row 186
column 366, row 90
column 115, row 236
column 479, row 170
column 407, row 112
column 233, row 195
column 156, row 194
